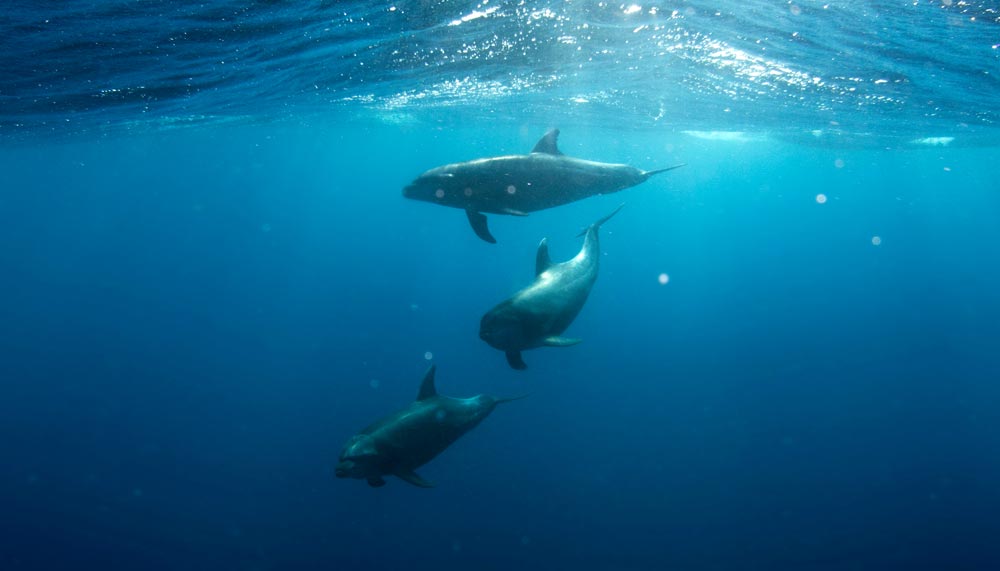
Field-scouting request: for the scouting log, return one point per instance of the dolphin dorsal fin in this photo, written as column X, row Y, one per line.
column 542, row 259
column 427, row 389
column 547, row 144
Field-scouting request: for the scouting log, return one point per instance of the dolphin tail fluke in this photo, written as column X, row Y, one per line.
column 478, row 222
column 512, row 399
column 648, row 174
column 597, row 225
column 515, row 361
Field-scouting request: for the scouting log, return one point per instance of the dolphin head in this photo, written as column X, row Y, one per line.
column 359, row 458
column 502, row 328
column 436, row 185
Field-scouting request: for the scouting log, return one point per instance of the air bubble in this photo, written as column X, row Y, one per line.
column 663, row 279
column 821, row 198
column 439, row 193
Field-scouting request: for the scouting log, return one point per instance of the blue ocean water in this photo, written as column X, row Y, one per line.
column 211, row 280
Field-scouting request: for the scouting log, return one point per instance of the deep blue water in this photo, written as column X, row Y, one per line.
column 210, row 284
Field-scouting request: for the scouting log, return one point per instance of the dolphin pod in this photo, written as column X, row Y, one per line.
column 535, row 316
column 518, row 184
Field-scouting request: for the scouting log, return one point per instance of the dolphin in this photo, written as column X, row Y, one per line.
column 537, row 315
column 519, row 184
column 401, row 442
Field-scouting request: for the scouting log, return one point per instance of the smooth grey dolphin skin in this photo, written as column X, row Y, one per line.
column 519, row 184
column 400, row 443
column 537, row 315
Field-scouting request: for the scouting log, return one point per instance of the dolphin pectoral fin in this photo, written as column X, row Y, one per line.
column 376, row 482
column 515, row 361
column 556, row 341
column 478, row 222
column 513, row 212
column 413, row 478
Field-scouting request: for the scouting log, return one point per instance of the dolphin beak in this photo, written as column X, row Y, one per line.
column 342, row 470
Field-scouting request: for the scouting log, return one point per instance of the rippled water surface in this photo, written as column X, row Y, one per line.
column 870, row 73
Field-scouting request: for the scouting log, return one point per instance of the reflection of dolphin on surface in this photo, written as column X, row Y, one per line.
column 402, row 442
column 537, row 315
column 519, row 184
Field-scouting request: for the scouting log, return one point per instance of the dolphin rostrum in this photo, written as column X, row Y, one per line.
column 403, row 441
column 519, row 184
column 537, row 315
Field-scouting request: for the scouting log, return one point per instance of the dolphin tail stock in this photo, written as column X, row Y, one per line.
column 597, row 225
column 648, row 174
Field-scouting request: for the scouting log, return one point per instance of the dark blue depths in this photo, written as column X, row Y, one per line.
column 193, row 323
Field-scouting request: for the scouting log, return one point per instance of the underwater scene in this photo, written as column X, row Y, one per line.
column 464, row 285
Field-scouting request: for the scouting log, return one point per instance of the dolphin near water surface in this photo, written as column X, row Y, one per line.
column 518, row 184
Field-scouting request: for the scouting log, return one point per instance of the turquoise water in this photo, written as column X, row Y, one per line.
column 212, row 281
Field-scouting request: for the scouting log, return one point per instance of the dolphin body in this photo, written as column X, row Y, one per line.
column 403, row 441
column 519, row 184
column 537, row 315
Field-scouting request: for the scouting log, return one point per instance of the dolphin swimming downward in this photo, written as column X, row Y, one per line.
column 537, row 315
column 519, row 184
column 407, row 439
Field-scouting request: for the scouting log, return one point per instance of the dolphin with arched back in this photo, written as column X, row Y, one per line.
column 518, row 184
column 537, row 315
